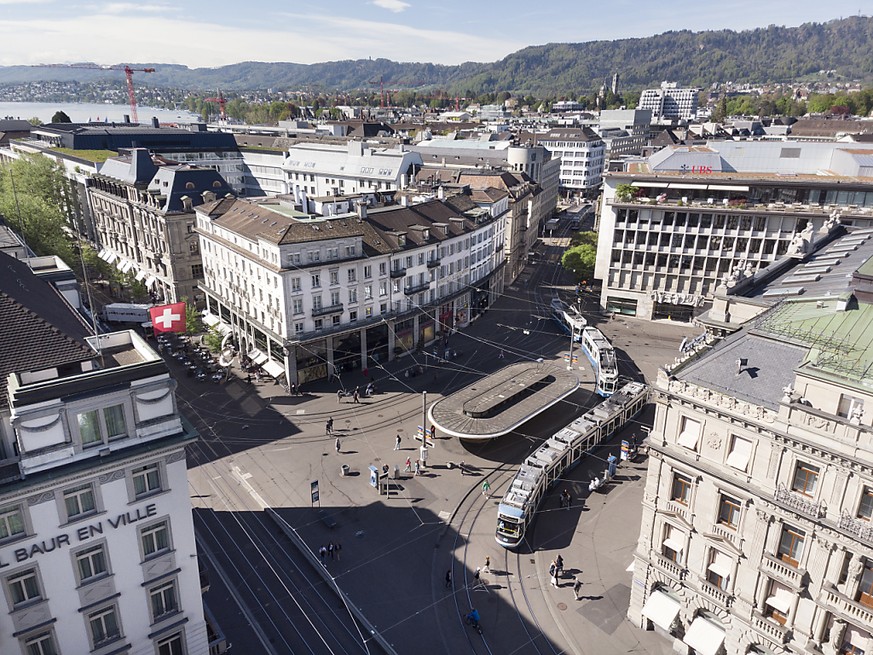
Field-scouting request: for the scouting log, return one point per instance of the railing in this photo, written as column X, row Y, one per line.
column 863, row 530
column 798, row 503
column 673, row 569
column 726, row 533
column 416, row 288
column 327, row 309
column 433, row 263
column 859, row 612
column 785, row 572
column 765, row 626
column 719, row 596
column 398, row 272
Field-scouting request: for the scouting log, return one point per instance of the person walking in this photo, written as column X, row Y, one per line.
column 448, row 578
column 339, row 396
column 577, row 587
column 486, row 489
column 337, row 445
column 330, row 549
column 397, row 441
column 487, row 567
column 328, row 426
column 408, row 468
column 566, row 499
column 322, row 552
column 559, row 566
column 553, row 573
column 356, row 398
column 337, row 547
column 417, row 467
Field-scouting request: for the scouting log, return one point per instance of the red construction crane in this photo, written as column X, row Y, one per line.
column 128, row 73
column 221, row 100
column 381, row 83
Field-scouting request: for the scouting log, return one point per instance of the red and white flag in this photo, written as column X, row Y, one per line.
column 168, row 318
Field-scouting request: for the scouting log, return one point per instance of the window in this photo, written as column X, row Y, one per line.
column 353, row 275
column 41, row 644
column 673, row 543
column 146, row 480
column 729, row 512
column 89, row 428
column 689, row 433
column 295, row 284
column 790, row 545
column 316, row 302
column 163, row 600
column 79, row 501
column 335, row 320
column 23, row 587
column 383, row 268
column 849, row 406
column 353, row 295
column 298, row 328
column 171, row 645
column 368, row 272
column 353, row 316
column 196, row 270
column 368, row 292
column 297, row 305
column 103, row 625
column 805, row 479
column 719, row 569
column 777, row 605
column 383, row 288
column 334, row 298
column 739, row 454
column 853, row 641
column 91, row 563
column 155, row 539
column 681, row 490
column 865, row 507
column 319, row 323
column 334, row 277
column 316, row 281
column 11, row 523
column 115, row 425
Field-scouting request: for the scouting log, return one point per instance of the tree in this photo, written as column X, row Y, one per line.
column 61, row 117
column 193, row 321
column 580, row 260
column 213, row 339
column 721, row 111
column 35, row 121
column 626, row 192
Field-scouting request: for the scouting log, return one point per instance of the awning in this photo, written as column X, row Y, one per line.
column 740, row 453
column 140, row 275
column 110, row 257
column 780, row 598
column 126, row 266
column 257, row 357
column 704, row 636
column 649, row 185
column 721, row 564
column 273, row 369
column 676, row 185
column 673, row 544
column 661, row 610
column 690, row 434
column 102, row 254
column 728, row 187
column 210, row 319
column 150, row 281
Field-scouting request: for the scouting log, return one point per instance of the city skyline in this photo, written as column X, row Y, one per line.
column 215, row 34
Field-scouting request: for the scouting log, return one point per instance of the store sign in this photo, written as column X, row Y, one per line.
column 77, row 536
column 685, row 168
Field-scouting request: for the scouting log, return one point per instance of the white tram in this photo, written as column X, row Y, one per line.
column 558, row 454
column 602, row 357
column 568, row 318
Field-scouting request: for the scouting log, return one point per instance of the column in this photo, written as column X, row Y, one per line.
column 331, row 367
column 364, row 360
column 391, row 355
column 290, row 353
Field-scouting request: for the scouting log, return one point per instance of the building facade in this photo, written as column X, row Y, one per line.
column 669, row 102
column 582, row 154
column 756, row 530
column 310, row 299
column 97, row 551
column 688, row 217
column 143, row 209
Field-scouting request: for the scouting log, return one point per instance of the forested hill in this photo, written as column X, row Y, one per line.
column 693, row 58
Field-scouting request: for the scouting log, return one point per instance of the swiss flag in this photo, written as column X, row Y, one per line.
column 168, row 318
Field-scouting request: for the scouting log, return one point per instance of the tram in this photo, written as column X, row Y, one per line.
column 557, row 455
column 568, row 318
column 602, row 357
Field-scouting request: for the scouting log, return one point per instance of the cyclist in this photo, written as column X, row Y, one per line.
column 473, row 618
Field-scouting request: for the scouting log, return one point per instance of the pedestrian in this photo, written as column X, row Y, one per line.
column 477, row 580
column 417, row 467
column 500, row 355
column 567, row 499
column 448, row 578
column 463, row 468
column 339, row 396
column 355, row 396
column 487, row 567
column 337, row 547
column 322, row 552
column 330, row 549
column 486, row 489
column 397, row 442
column 577, row 587
column 432, row 431
column 559, row 565
column 328, row 426
column 337, row 445
column 293, row 389
column 553, row 573
column 408, row 468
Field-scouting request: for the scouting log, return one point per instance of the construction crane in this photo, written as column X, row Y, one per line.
column 381, row 83
column 221, row 100
column 128, row 73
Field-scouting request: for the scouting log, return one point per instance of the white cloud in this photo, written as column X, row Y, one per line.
column 301, row 39
column 392, row 5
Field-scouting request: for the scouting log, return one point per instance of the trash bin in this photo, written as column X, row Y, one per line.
column 396, row 472
column 344, row 470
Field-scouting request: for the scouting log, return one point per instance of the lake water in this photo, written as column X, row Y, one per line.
column 84, row 112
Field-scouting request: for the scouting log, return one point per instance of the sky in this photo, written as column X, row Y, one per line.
column 197, row 33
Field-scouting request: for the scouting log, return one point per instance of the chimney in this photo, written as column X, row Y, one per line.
column 441, row 193
column 126, row 119
column 187, row 205
column 155, row 123
column 404, row 201
column 361, row 206
column 208, row 196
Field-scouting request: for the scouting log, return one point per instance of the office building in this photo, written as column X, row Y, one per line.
column 582, row 155
column 669, row 102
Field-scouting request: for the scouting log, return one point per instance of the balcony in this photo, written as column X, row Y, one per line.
column 327, row 309
column 783, row 572
column 674, row 570
column 862, row 530
column 398, row 272
column 798, row 503
column 778, row 633
column 721, row 598
column 413, row 289
column 433, row 262
column 839, row 602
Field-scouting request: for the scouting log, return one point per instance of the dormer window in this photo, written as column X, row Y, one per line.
column 425, row 234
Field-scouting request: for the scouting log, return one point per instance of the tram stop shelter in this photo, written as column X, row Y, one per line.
column 497, row 404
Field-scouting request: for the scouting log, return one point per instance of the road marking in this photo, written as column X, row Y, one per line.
column 300, row 411
column 243, row 480
column 445, row 516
